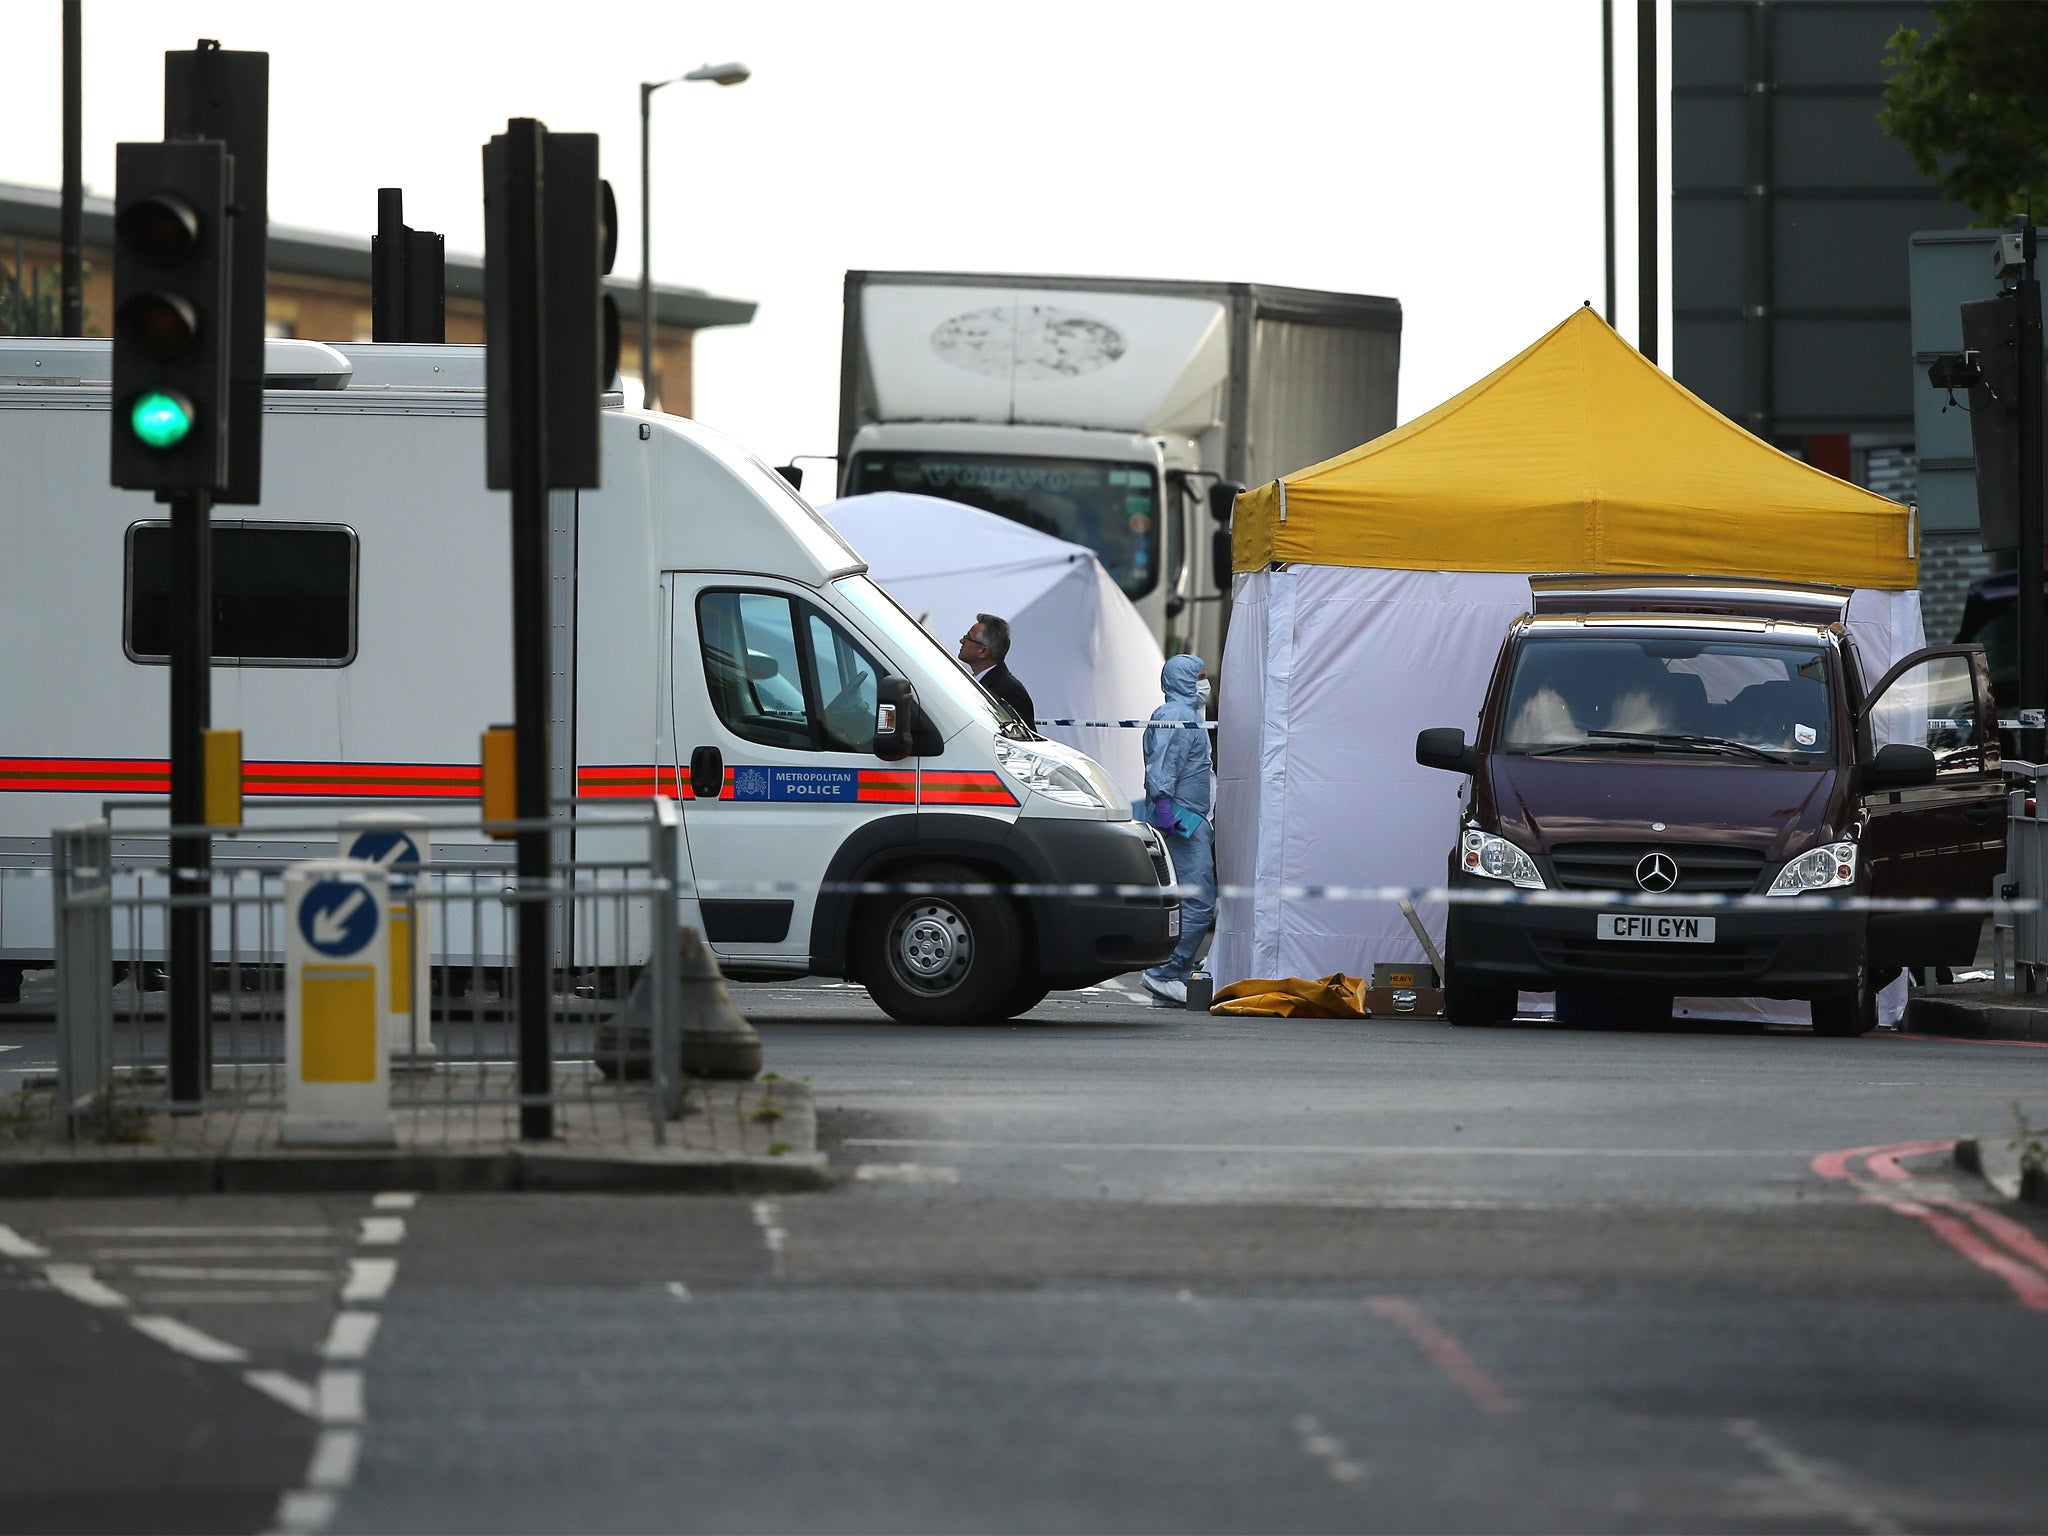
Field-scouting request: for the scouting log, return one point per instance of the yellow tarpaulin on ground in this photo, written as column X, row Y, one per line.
column 1579, row 456
column 1332, row 997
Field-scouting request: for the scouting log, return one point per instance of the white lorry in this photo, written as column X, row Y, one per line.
column 716, row 642
column 1108, row 410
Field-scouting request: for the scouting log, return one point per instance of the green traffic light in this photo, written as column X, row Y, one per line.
column 161, row 420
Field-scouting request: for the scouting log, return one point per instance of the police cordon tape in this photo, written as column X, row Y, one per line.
column 434, row 886
column 1470, row 896
column 1132, row 725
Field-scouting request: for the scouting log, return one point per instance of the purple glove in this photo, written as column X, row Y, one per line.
column 1162, row 813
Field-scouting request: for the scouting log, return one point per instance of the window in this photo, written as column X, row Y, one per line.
column 284, row 594
column 1933, row 704
column 782, row 674
column 1111, row 508
column 1756, row 699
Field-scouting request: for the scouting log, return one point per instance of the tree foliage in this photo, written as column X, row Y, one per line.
column 1969, row 103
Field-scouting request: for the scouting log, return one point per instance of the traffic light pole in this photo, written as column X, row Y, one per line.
column 2033, row 607
column 191, row 929
column 516, row 176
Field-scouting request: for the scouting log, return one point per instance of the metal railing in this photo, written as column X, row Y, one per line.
column 454, row 1042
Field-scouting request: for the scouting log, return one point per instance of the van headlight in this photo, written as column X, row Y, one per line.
column 1056, row 779
column 1817, row 869
column 1498, row 859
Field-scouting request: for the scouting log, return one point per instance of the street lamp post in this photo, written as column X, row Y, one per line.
column 718, row 74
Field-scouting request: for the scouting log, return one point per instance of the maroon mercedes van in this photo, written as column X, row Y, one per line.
column 1683, row 738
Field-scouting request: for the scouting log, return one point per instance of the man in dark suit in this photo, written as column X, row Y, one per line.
column 982, row 650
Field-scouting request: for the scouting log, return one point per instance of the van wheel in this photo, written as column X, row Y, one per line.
column 1846, row 1014
column 942, row 959
column 1468, row 1003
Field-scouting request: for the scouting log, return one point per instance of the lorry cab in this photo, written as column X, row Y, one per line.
column 1137, row 500
column 1713, row 740
column 713, row 640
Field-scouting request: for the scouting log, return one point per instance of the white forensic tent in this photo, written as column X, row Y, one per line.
column 1373, row 591
column 1076, row 643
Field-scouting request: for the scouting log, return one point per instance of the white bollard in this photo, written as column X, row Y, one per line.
column 402, row 846
column 337, row 1073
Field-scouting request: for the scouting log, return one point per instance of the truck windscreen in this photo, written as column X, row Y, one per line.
column 1111, row 508
column 1620, row 692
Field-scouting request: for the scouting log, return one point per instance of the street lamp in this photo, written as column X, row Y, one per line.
column 717, row 74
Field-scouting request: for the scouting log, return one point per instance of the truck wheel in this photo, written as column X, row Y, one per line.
column 942, row 959
column 1468, row 1003
column 1846, row 1014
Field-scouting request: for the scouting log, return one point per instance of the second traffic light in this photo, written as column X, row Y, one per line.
column 172, row 266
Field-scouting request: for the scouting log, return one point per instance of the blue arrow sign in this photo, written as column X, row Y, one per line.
column 388, row 846
column 338, row 917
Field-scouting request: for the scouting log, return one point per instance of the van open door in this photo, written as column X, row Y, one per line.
column 1936, row 812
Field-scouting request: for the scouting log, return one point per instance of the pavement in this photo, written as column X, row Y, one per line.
column 455, row 1120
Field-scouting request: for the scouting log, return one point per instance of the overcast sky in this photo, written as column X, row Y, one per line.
column 1447, row 155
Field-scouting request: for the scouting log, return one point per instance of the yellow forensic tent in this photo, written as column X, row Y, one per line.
column 1579, row 455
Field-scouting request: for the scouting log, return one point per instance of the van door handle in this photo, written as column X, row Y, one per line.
column 707, row 773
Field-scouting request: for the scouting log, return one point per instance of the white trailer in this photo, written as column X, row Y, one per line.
column 1106, row 410
column 716, row 641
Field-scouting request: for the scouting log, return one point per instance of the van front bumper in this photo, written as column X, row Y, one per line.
column 1797, row 948
column 1085, row 939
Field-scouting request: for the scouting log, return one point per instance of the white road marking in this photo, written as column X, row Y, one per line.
column 1815, row 1489
column 14, row 1246
column 349, row 1336
column 680, row 1291
column 289, row 1390
column 768, row 1217
column 334, row 1458
column 339, row 1396
column 1317, row 1149
column 1329, row 1450
column 299, row 1513
column 369, row 1279
column 906, row 1173
column 197, row 1231
column 196, row 1272
column 287, row 1251
column 76, row 1281
column 383, row 1229
column 395, row 1200
column 189, row 1341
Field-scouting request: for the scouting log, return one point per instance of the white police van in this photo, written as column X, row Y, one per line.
column 717, row 642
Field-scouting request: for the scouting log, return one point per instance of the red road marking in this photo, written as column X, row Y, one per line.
column 2030, row 1286
column 1446, row 1354
column 2022, row 1263
column 1835, row 1165
column 2017, row 1239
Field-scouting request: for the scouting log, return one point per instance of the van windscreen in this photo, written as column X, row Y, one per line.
column 1656, row 693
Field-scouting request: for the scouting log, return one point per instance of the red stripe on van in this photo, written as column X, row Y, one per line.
column 966, row 787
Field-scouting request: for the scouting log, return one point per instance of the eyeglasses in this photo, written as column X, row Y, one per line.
column 979, row 645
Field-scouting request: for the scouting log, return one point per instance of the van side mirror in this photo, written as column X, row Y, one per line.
column 1219, row 558
column 1444, row 747
column 1899, row 766
column 899, row 720
column 1223, row 496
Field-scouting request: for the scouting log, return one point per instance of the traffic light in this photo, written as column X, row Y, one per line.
column 1991, row 330
column 212, row 92
column 581, row 321
column 171, row 284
